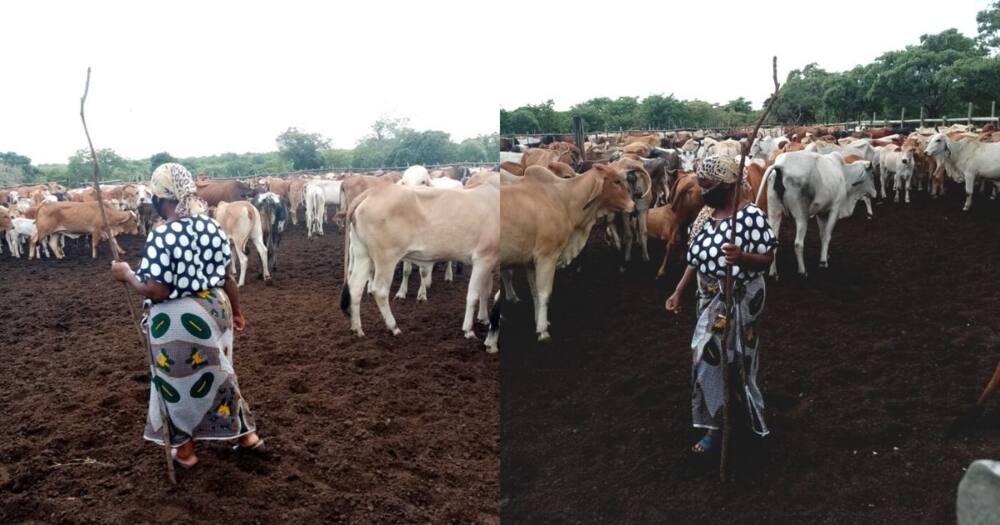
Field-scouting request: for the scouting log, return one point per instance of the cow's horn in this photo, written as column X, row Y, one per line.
column 649, row 184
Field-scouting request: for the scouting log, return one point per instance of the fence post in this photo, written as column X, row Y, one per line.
column 873, row 119
column 921, row 116
column 944, row 120
column 993, row 111
column 968, row 119
column 902, row 116
column 578, row 132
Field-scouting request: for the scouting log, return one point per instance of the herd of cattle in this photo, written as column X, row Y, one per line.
column 419, row 217
column 642, row 186
column 546, row 200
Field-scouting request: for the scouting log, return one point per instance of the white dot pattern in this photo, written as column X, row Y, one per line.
column 753, row 235
column 190, row 255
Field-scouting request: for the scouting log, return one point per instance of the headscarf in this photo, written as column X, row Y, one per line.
column 173, row 181
column 715, row 169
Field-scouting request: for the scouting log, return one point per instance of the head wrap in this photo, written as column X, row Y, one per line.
column 173, row 181
column 717, row 169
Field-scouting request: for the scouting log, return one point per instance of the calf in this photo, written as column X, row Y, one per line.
column 241, row 222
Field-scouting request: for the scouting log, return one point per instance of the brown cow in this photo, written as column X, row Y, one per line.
column 75, row 217
column 215, row 191
column 512, row 167
column 296, row 197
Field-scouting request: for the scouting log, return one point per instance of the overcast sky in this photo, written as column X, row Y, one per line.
column 714, row 51
column 200, row 78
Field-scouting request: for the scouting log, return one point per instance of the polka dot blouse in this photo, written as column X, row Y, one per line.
column 753, row 235
column 190, row 255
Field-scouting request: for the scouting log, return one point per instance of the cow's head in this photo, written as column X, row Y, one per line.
column 860, row 178
column 128, row 224
column 687, row 159
column 415, row 176
column 246, row 191
column 937, row 145
column 610, row 192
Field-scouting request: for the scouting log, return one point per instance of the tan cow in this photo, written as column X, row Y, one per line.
column 546, row 222
column 296, row 197
column 215, row 191
column 79, row 218
column 392, row 222
column 241, row 221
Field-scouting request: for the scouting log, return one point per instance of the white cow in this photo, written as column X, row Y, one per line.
column 315, row 209
column 965, row 160
column 898, row 164
column 764, row 146
column 806, row 184
column 24, row 229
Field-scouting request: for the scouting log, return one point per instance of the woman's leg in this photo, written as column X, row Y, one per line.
column 186, row 455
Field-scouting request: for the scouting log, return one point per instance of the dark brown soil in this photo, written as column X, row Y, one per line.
column 864, row 366
column 376, row 430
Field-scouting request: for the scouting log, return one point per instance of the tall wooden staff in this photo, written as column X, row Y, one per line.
column 730, row 330
column 128, row 299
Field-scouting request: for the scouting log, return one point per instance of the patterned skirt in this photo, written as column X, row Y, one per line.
column 709, row 392
column 191, row 341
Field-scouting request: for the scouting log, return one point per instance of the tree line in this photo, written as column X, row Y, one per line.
column 941, row 74
column 391, row 143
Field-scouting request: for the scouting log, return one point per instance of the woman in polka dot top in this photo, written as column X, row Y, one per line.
column 193, row 307
column 710, row 256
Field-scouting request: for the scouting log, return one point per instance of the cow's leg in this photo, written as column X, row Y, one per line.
column 357, row 280
column 544, row 275
column 507, row 281
column 775, row 220
column 484, row 299
column 258, row 242
column 868, row 206
column 885, row 182
column 625, row 222
column 113, row 240
column 666, row 257
column 801, row 225
column 95, row 239
column 897, row 186
column 404, row 281
column 449, row 274
column 533, row 285
column 970, row 187
column 909, row 182
column 241, row 253
column 381, row 282
column 426, row 272
column 642, row 235
column 481, row 270
column 321, row 218
column 826, row 225
column 31, row 246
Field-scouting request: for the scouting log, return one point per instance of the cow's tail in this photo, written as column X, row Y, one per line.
column 779, row 181
column 345, row 294
column 763, row 184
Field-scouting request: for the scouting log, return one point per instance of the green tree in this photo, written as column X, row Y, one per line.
column 160, row 158
column 988, row 26
column 112, row 167
column 302, row 149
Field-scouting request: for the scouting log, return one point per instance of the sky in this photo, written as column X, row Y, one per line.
column 713, row 51
column 202, row 78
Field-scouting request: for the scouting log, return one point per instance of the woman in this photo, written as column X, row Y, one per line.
column 710, row 255
column 193, row 306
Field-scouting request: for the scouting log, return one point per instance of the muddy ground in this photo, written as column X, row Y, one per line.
column 864, row 366
column 377, row 430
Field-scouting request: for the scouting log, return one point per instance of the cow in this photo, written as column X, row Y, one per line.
column 25, row 229
column 898, row 164
column 632, row 225
column 77, row 217
column 389, row 223
column 315, row 208
column 273, row 217
column 806, row 184
column 296, row 197
column 966, row 160
column 546, row 222
column 685, row 203
column 241, row 222
column 215, row 191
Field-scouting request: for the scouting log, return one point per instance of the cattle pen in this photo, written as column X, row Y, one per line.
column 864, row 365
column 381, row 429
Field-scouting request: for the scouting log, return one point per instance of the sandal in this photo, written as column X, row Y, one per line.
column 705, row 445
column 182, row 462
column 257, row 448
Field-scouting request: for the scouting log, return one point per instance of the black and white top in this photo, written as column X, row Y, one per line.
column 753, row 235
column 189, row 254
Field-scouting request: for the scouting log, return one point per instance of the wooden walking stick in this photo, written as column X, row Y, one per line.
column 128, row 298
column 730, row 330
